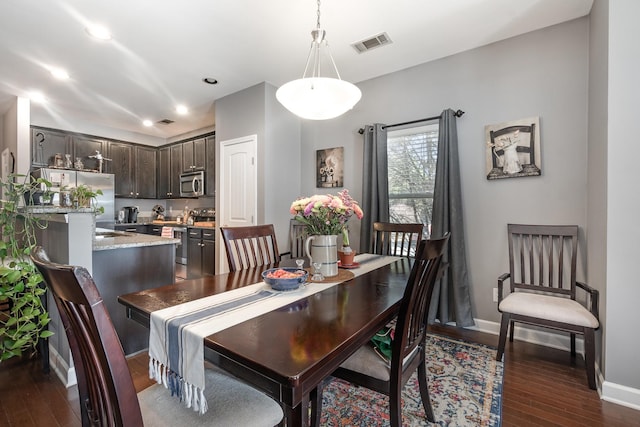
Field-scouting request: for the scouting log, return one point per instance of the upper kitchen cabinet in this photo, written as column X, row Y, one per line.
column 210, row 175
column 134, row 167
column 194, row 155
column 45, row 144
column 145, row 172
column 164, row 173
column 175, row 170
column 121, row 165
column 83, row 147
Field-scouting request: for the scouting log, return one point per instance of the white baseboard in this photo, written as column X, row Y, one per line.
column 611, row 392
column 66, row 374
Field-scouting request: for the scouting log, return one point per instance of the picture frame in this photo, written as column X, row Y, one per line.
column 513, row 149
column 330, row 167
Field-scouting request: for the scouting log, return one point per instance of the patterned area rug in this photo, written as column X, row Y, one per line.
column 465, row 386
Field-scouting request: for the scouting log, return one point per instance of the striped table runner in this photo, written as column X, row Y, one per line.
column 176, row 338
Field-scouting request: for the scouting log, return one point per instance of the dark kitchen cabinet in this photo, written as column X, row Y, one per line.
column 164, row 173
column 134, row 168
column 194, row 155
column 145, row 173
column 175, row 169
column 210, row 171
column 46, row 143
column 121, row 165
column 83, row 147
column 132, row 228
column 200, row 253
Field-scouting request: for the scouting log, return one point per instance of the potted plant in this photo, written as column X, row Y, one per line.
column 24, row 320
column 83, row 196
column 346, row 254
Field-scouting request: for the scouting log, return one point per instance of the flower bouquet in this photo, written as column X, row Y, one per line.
column 325, row 217
column 326, row 214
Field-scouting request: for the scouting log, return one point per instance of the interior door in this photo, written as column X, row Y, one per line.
column 238, row 185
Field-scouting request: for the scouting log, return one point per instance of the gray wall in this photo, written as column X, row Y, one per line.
column 622, row 202
column 597, row 160
column 543, row 74
column 255, row 110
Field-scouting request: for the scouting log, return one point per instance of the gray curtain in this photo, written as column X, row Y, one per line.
column 451, row 299
column 375, row 183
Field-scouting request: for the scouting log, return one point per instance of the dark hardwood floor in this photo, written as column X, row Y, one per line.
column 541, row 388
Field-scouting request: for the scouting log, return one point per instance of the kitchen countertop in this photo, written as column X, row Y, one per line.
column 122, row 239
column 166, row 224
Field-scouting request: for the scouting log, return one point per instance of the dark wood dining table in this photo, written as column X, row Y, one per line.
column 289, row 351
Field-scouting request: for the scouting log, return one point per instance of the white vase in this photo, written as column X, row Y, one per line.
column 323, row 250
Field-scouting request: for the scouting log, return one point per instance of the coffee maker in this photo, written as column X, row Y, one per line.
column 130, row 214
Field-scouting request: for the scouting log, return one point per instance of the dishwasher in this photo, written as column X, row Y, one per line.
column 181, row 247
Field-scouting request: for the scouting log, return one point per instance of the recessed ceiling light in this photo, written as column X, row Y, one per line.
column 37, row 97
column 148, row 123
column 182, row 110
column 99, row 32
column 59, row 73
column 210, row 80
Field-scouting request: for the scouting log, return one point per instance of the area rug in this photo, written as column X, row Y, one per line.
column 465, row 386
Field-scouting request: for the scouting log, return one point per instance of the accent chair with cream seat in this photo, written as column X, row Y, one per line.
column 107, row 395
column 543, row 288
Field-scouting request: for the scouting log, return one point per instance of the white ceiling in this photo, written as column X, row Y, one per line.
column 162, row 49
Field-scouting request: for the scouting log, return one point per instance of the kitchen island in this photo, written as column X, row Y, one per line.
column 119, row 262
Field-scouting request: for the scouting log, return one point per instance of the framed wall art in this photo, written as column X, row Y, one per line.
column 513, row 149
column 330, row 167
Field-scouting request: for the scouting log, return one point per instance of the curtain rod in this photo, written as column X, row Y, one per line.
column 458, row 113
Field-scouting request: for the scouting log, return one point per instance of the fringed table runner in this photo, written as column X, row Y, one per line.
column 176, row 338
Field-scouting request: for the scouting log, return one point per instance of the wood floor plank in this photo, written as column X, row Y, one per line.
column 542, row 387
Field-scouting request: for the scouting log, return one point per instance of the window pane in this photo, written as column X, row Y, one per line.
column 412, row 155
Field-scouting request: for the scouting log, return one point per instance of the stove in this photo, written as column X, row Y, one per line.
column 204, row 217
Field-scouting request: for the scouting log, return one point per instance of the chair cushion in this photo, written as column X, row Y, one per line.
column 231, row 403
column 366, row 361
column 557, row 309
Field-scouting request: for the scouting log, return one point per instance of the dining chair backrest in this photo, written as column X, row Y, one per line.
column 411, row 326
column 250, row 246
column 297, row 234
column 396, row 239
column 543, row 258
column 107, row 394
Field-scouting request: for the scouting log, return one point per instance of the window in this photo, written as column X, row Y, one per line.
column 412, row 155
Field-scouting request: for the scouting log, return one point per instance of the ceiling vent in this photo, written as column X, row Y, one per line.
column 372, row 42
column 165, row 121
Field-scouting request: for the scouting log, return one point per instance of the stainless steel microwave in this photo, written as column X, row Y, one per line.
column 192, row 184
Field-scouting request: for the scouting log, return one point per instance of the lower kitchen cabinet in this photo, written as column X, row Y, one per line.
column 201, row 253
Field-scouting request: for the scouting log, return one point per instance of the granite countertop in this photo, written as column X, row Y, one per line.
column 109, row 239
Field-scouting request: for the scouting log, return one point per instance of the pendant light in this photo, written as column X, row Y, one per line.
column 314, row 97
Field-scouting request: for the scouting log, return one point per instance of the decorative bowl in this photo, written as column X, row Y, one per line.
column 286, row 282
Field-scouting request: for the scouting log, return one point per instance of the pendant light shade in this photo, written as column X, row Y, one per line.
column 318, row 98
column 314, row 97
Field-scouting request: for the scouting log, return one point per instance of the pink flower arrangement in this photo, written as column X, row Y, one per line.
column 326, row 214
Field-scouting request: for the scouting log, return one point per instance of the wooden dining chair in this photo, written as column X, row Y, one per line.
column 396, row 239
column 107, row 395
column 367, row 369
column 250, row 246
column 543, row 288
column 297, row 234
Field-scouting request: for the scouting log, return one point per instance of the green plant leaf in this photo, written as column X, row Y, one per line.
column 46, row 334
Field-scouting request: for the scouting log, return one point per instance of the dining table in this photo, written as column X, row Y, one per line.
column 287, row 352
